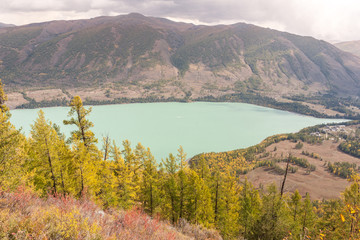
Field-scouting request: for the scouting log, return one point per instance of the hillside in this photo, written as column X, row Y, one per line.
column 57, row 188
column 133, row 56
column 351, row 47
column 24, row 215
column 4, row 25
column 318, row 146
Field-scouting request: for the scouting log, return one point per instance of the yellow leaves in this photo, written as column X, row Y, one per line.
column 342, row 218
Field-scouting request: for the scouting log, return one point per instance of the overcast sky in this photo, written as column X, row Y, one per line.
column 331, row 20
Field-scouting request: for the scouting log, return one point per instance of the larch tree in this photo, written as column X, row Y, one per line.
column 44, row 154
column 250, row 207
column 124, row 192
column 12, row 149
column 78, row 116
column 86, row 153
column 171, row 188
column 149, row 196
column 182, row 179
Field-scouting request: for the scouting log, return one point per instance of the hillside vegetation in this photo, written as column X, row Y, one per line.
column 88, row 193
column 133, row 57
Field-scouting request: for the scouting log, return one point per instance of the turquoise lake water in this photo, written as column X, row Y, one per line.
column 198, row 126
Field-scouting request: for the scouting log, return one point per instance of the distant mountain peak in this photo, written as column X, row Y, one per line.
column 4, row 25
column 158, row 55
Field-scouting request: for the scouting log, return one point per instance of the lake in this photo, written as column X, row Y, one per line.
column 198, row 126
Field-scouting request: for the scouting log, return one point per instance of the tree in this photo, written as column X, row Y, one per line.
column 171, row 188
column 149, row 184
column 78, row 118
column 124, row 193
column 198, row 205
column 182, row 179
column 307, row 215
column 12, row 150
column 86, row 154
column 250, row 207
column 273, row 222
column 45, row 160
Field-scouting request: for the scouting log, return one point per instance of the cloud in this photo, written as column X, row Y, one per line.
column 325, row 19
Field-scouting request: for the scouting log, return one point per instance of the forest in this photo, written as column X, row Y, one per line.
column 204, row 192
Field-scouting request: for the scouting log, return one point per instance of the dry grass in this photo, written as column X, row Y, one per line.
column 321, row 184
column 25, row 216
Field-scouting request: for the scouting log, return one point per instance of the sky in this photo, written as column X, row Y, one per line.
column 330, row 20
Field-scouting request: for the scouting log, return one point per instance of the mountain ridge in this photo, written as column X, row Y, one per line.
column 350, row 46
column 132, row 56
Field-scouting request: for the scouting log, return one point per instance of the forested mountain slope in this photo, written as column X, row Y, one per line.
column 132, row 56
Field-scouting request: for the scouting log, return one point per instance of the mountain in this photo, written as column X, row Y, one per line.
column 4, row 25
column 350, row 46
column 133, row 56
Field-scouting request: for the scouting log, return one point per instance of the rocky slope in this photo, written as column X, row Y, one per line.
column 134, row 56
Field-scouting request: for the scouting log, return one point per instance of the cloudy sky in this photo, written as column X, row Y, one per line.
column 331, row 20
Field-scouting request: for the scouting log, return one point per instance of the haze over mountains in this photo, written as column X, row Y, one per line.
column 134, row 55
column 350, row 46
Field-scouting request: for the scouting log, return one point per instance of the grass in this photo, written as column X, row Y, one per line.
column 23, row 215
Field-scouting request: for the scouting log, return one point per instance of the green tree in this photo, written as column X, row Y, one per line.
column 124, row 193
column 198, row 205
column 307, row 215
column 171, row 188
column 78, row 118
column 250, row 207
column 44, row 154
column 86, row 154
column 12, row 148
column 149, row 184
column 273, row 222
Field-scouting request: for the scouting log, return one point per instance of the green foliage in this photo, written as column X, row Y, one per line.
column 299, row 145
column 19, row 37
column 342, row 169
column 351, row 147
column 205, row 191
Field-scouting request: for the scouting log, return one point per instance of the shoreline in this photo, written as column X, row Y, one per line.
column 249, row 98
